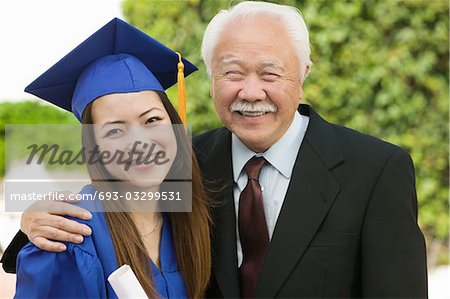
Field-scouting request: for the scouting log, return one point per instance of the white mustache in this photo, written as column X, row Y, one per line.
column 256, row 107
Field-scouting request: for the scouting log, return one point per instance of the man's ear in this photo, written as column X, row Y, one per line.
column 306, row 72
column 301, row 92
column 211, row 87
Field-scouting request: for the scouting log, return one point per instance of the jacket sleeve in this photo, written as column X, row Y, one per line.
column 393, row 254
column 9, row 257
column 74, row 273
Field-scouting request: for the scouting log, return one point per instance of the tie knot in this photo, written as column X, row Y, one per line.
column 253, row 167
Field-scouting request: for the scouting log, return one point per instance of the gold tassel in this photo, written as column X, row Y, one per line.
column 181, row 90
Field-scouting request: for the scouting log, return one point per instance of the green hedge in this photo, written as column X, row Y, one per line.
column 29, row 112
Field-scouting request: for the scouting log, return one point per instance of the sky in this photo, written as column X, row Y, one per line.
column 35, row 34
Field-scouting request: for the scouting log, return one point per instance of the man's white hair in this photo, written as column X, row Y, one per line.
column 289, row 16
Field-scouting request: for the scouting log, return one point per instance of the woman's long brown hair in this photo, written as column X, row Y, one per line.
column 191, row 230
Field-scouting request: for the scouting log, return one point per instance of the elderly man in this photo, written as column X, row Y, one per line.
column 305, row 208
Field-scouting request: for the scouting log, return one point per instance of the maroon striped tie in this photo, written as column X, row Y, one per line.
column 252, row 228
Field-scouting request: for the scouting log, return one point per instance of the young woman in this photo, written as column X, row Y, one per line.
column 119, row 75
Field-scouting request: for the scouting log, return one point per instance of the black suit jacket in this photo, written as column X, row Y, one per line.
column 347, row 228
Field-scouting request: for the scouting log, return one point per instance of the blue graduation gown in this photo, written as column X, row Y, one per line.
column 82, row 270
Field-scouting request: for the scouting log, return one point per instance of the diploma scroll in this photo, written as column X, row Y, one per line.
column 125, row 283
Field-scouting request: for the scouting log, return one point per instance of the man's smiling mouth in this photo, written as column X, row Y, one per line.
column 252, row 113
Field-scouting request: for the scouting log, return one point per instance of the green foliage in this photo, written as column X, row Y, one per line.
column 380, row 67
column 31, row 112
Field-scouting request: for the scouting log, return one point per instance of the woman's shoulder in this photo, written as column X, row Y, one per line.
column 36, row 264
column 84, row 250
column 97, row 224
column 75, row 272
column 74, row 251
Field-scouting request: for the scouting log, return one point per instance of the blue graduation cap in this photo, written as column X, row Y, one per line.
column 118, row 58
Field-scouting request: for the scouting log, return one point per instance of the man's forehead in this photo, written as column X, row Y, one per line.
column 237, row 59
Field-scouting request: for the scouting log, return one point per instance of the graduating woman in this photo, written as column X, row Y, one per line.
column 114, row 83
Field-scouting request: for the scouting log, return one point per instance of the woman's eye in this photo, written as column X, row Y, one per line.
column 113, row 133
column 153, row 120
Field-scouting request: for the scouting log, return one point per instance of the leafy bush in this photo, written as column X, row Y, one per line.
column 30, row 112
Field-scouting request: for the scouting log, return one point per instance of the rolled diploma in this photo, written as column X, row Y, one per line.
column 125, row 284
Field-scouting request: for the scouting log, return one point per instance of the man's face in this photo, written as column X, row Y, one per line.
column 256, row 84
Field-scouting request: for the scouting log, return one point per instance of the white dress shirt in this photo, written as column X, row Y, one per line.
column 274, row 178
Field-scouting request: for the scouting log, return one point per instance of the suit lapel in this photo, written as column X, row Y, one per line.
column 310, row 195
column 219, row 176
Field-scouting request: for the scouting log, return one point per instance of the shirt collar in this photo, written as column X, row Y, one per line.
column 281, row 155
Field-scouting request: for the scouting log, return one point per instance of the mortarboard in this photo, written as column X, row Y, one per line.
column 117, row 58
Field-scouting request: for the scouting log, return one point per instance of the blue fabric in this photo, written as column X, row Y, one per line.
column 57, row 85
column 81, row 271
column 119, row 73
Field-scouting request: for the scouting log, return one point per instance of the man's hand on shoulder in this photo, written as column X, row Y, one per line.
column 44, row 224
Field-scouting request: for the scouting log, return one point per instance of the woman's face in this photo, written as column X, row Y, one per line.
column 135, row 137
